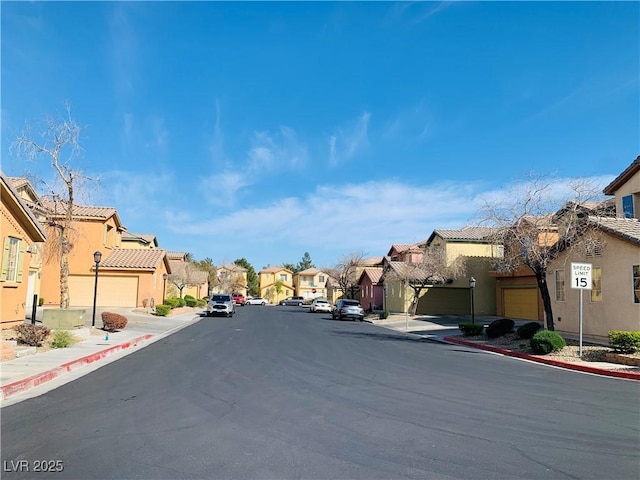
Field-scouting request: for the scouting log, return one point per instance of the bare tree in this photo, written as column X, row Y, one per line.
column 538, row 219
column 345, row 272
column 433, row 269
column 60, row 145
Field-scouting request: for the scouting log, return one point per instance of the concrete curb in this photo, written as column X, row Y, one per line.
column 546, row 361
column 19, row 386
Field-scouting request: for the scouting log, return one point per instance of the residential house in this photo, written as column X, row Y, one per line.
column 125, row 277
column 186, row 279
column 451, row 296
column 276, row 283
column 20, row 231
column 613, row 302
column 231, row 278
column 310, row 283
column 30, row 198
column 138, row 240
column 371, row 288
column 401, row 252
column 335, row 290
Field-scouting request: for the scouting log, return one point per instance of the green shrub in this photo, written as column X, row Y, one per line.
column 113, row 321
column 384, row 314
column 547, row 341
column 201, row 303
column 500, row 327
column 182, row 302
column 624, row 341
column 528, row 330
column 191, row 302
column 173, row 302
column 471, row 329
column 32, row 335
column 62, row 339
column 189, row 297
column 40, row 301
column 162, row 310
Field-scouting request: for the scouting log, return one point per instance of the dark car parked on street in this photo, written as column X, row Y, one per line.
column 295, row 301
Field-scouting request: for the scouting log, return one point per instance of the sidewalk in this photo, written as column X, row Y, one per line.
column 26, row 373
column 445, row 329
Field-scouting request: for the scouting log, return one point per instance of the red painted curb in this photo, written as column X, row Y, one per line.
column 546, row 361
column 40, row 378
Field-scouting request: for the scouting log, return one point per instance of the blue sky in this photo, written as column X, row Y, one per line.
column 267, row 130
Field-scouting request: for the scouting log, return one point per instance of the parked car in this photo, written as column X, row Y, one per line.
column 296, row 301
column 320, row 305
column 238, row 298
column 347, row 308
column 221, row 304
column 256, row 301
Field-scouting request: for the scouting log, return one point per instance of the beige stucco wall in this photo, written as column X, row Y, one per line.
column 617, row 310
column 305, row 284
column 267, row 281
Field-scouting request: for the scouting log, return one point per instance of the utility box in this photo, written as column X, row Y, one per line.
column 63, row 319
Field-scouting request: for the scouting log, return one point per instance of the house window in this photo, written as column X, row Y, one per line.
column 11, row 260
column 627, row 206
column 594, row 250
column 321, row 278
column 283, row 277
column 559, row 285
column 636, row 283
column 596, row 284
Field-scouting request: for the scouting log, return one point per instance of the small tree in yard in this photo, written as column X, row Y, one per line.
column 59, row 144
column 345, row 273
column 538, row 219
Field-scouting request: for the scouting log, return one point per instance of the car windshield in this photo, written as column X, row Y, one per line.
column 220, row 298
column 351, row 302
column 321, row 301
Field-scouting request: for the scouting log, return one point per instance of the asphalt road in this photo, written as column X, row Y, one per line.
column 277, row 392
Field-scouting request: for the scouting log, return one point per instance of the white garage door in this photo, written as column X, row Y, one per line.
column 112, row 291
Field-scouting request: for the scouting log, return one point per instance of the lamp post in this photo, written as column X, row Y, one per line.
column 164, row 285
column 472, row 286
column 97, row 256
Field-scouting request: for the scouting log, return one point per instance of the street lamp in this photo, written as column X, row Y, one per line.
column 97, row 256
column 472, row 286
column 164, row 285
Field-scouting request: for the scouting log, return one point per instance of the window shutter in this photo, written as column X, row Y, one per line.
column 5, row 260
column 21, row 249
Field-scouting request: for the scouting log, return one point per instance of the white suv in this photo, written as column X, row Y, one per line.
column 221, row 304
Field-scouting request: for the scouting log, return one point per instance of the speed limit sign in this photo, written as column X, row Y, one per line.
column 581, row 276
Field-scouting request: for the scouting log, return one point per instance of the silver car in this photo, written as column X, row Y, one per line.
column 221, row 304
column 346, row 308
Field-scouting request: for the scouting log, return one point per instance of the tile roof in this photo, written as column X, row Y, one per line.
column 134, row 258
column 310, row 271
column 623, row 177
column 140, row 237
column 473, row 234
column 234, row 267
column 371, row 261
column 38, row 230
column 273, row 269
column 176, row 255
column 626, row 228
column 374, row 273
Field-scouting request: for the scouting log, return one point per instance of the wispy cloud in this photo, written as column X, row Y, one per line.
column 159, row 135
column 345, row 143
column 277, row 151
column 420, row 11
column 122, row 51
column 414, row 124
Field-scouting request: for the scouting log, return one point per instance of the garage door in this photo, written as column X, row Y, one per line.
column 112, row 291
column 445, row 301
column 520, row 303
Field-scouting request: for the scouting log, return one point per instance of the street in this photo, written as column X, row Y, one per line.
column 277, row 392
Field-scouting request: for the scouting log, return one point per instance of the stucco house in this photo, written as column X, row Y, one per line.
column 21, row 231
column 453, row 296
column 613, row 302
column 30, row 198
column 231, row 278
column 310, row 283
column 126, row 277
column 371, row 288
column 138, row 240
column 276, row 283
column 185, row 274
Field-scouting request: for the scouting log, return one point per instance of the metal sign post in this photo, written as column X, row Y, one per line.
column 581, row 280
